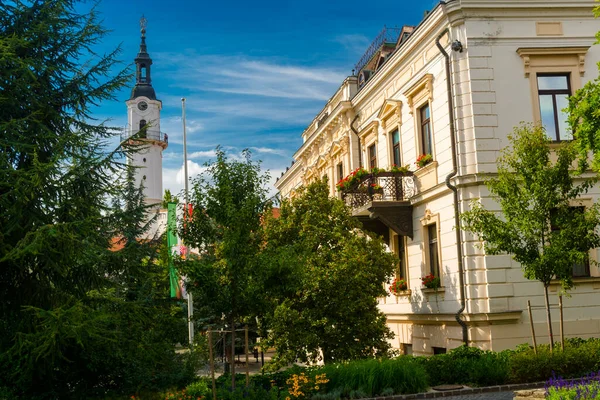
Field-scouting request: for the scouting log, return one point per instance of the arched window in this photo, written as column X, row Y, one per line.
column 143, row 72
column 142, row 125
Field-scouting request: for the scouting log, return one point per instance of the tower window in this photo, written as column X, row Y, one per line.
column 142, row 125
column 144, row 159
column 143, row 72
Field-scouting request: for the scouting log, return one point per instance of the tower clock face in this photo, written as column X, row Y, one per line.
column 143, row 106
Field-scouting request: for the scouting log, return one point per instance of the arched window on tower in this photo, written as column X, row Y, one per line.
column 143, row 73
column 142, row 125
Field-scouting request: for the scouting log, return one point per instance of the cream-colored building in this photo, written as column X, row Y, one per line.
column 509, row 61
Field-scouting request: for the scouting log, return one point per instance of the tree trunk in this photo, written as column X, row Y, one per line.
column 550, row 336
column 232, row 352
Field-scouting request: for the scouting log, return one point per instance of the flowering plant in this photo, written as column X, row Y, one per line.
column 398, row 286
column 423, row 160
column 431, row 281
column 376, row 170
column 300, row 385
column 397, row 169
column 353, row 178
column 375, row 186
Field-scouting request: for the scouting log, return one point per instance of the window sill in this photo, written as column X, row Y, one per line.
column 433, row 291
column 426, row 176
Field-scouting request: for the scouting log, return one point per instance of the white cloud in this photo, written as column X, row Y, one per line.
column 251, row 76
column 269, row 150
column 201, row 154
column 194, row 169
column 173, row 178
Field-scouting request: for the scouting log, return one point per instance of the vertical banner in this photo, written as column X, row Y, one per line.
column 172, row 244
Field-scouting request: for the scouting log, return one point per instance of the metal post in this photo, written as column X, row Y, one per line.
column 532, row 328
column 185, row 214
column 212, row 365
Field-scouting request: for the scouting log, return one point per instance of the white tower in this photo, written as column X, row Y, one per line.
column 143, row 111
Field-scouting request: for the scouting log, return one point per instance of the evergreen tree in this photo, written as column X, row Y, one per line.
column 74, row 314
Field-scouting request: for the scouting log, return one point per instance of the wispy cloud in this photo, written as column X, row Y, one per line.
column 268, row 150
column 201, row 154
column 353, row 43
column 248, row 76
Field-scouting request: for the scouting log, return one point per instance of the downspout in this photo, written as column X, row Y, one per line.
column 358, row 137
column 461, row 280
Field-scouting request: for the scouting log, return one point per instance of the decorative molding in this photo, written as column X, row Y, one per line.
column 424, row 84
column 548, row 28
column 389, row 108
column 531, row 54
column 372, row 127
column 506, row 317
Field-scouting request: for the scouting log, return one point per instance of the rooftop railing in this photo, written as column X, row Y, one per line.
column 387, row 35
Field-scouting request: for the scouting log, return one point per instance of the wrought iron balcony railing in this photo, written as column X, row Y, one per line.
column 148, row 134
column 383, row 186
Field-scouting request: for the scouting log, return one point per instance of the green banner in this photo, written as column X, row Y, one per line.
column 171, row 244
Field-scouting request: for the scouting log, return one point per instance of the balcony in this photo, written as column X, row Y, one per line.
column 150, row 135
column 381, row 201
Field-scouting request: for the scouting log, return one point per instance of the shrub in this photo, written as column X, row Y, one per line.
column 579, row 358
column 198, row 389
column 466, row 365
column 373, row 377
column 276, row 379
column 250, row 393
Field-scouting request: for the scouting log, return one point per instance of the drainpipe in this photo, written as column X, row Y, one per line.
column 358, row 137
column 461, row 280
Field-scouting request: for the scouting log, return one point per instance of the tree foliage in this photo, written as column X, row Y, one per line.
column 584, row 118
column 78, row 316
column 535, row 189
column 323, row 281
column 228, row 203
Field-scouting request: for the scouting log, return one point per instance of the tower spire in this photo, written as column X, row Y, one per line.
column 143, row 24
column 143, row 79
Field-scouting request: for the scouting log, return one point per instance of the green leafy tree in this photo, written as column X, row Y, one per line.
column 169, row 198
column 78, row 317
column 324, row 277
column 584, row 118
column 535, row 189
column 228, row 202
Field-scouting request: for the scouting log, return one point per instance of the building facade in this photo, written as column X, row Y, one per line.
column 452, row 89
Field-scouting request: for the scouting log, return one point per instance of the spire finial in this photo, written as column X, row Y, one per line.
column 143, row 23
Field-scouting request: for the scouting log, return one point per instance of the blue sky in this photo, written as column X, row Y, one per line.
column 254, row 73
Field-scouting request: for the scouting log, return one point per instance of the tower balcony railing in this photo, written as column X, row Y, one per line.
column 147, row 134
column 379, row 187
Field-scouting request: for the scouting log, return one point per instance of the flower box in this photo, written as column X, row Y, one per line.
column 431, row 281
column 423, row 160
column 398, row 286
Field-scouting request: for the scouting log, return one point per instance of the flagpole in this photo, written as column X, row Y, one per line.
column 185, row 213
